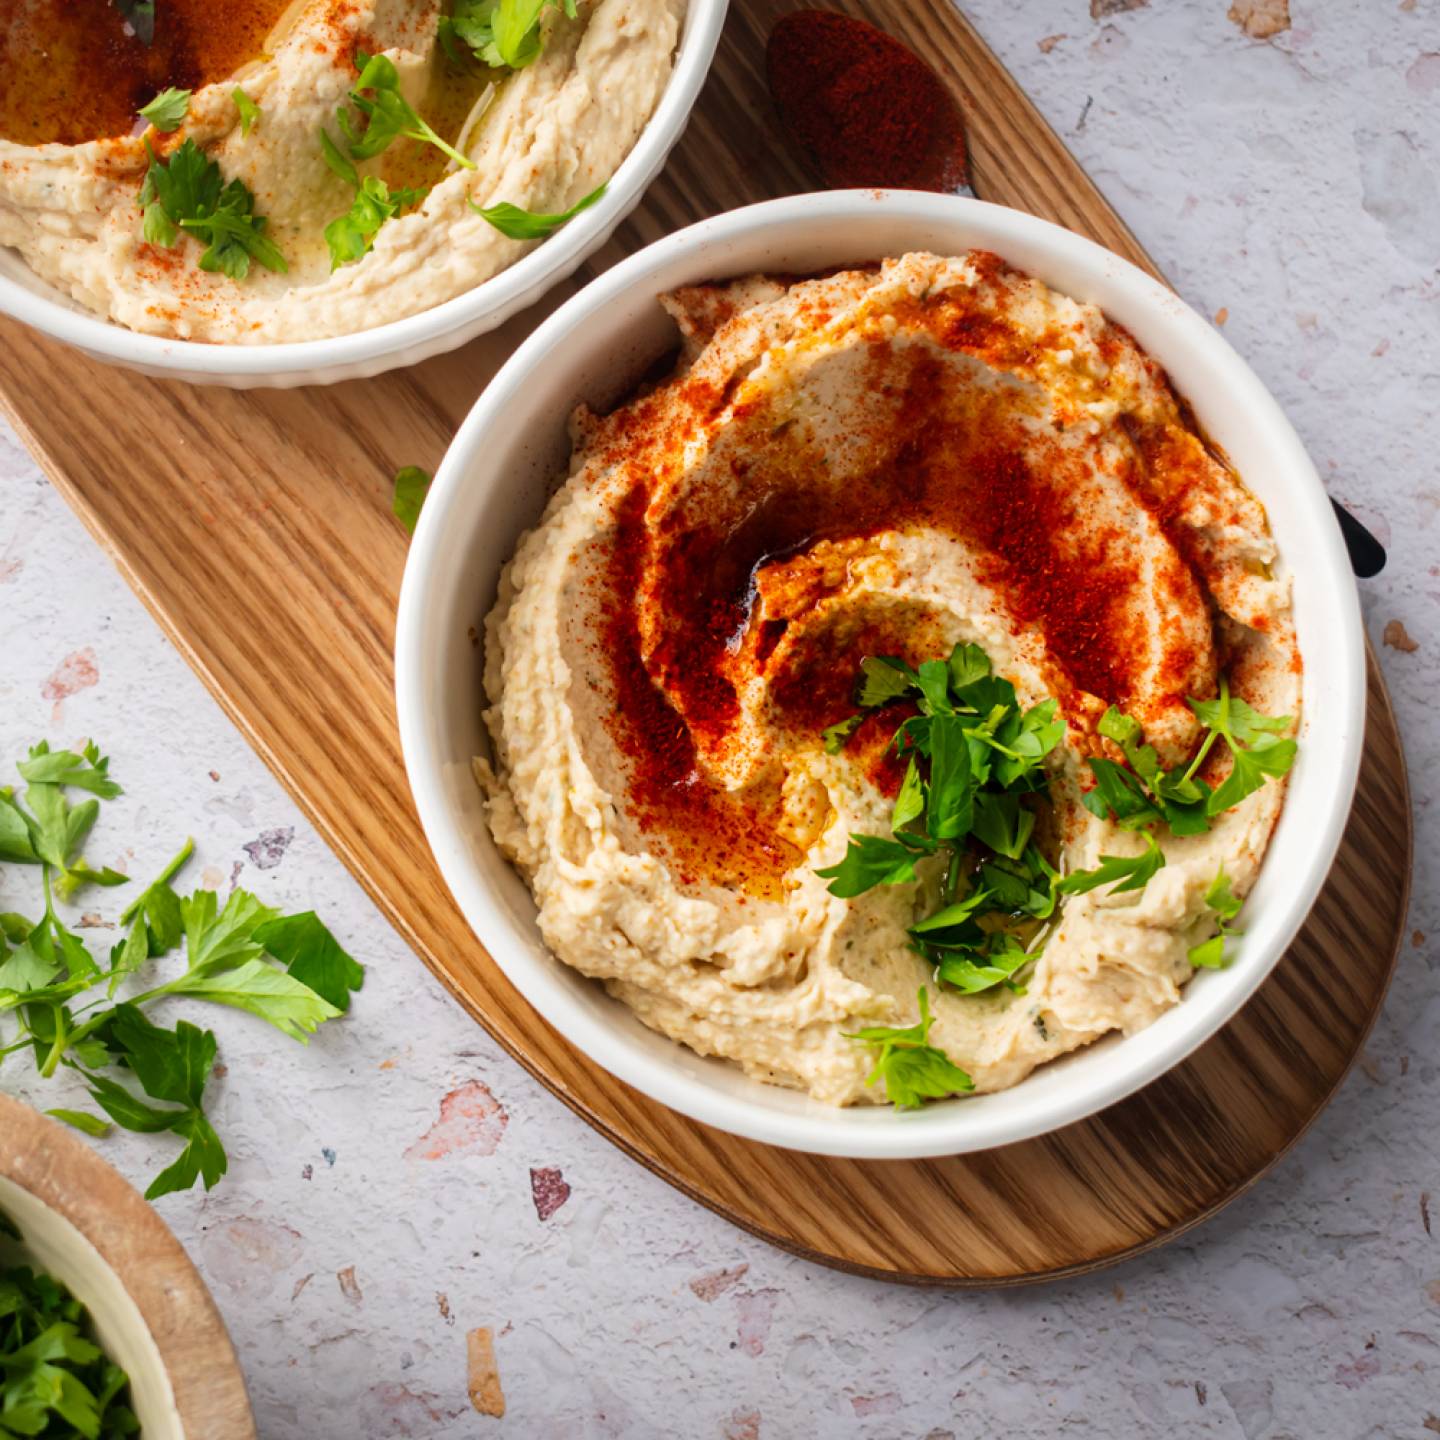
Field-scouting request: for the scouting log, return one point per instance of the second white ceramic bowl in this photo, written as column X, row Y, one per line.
column 494, row 482
column 417, row 337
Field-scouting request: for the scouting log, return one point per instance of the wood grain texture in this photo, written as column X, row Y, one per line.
column 65, row 1174
column 259, row 536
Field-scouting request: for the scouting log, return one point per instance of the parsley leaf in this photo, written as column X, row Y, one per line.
column 351, row 235
column 313, row 956
column 517, row 224
column 884, row 678
column 870, row 860
column 250, row 112
column 1254, row 742
column 1120, row 872
column 187, row 191
column 951, row 807
column 912, row 1069
column 1210, row 954
column 281, row 1000
column 412, row 485
column 502, row 33
column 167, row 109
column 836, row 737
column 387, row 113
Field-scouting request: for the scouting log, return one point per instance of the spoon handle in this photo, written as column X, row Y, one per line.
column 1367, row 554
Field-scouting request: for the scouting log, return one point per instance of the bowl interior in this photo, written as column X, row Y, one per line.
column 503, row 465
column 52, row 1244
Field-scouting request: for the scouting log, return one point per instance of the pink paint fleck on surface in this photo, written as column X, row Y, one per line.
column 246, row 1255
column 548, row 1189
column 755, row 1309
column 742, row 1425
column 711, row 1286
column 1365, row 1367
column 10, row 570
column 471, row 1122
column 390, row 1408
column 886, row 1404
column 76, row 672
column 1422, row 77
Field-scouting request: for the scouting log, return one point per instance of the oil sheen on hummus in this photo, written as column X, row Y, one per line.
column 72, row 159
column 885, row 461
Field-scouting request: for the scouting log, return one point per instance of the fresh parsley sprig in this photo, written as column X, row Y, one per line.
column 1210, row 954
column 53, row 1380
column 288, row 970
column 250, row 113
column 973, row 754
column 912, row 1069
column 351, row 235
column 188, row 192
column 504, row 34
column 166, row 111
column 412, row 485
column 387, row 114
column 517, row 224
column 1145, row 794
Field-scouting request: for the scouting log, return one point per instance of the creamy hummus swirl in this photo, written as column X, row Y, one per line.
column 549, row 134
column 884, row 461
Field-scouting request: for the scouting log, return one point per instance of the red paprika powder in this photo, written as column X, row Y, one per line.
column 869, row 110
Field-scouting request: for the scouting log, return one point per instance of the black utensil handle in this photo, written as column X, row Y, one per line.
column 1367, row 554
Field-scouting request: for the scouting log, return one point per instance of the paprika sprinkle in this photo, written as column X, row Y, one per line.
column 869, row 110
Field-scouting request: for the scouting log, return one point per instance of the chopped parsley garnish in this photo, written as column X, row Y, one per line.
column 1144, row 794
column 518, row 224
column 973, row 757
column 54, row 1381
column 288, row 970
column 975, row 761
column 412, row 485
column 1210, row 954
column 388, row 115
column 188, row 192
column 500, row 33
column 250, row 112
column 351, row 235
column 167, row 109
column 912, row 1069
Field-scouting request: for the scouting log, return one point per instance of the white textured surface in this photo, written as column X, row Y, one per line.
column 1295, row 182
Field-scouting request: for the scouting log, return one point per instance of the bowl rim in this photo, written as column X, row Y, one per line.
column 931, row 1131
column 464, row 315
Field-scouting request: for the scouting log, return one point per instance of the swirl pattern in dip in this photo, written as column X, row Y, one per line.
column 884, row 461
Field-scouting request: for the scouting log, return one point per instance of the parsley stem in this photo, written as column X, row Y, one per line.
column 59, row 1045
column 163, row 878
column 952, row 875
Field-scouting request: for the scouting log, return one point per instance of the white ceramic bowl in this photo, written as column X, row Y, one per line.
column 417, row 337
column 494, row 481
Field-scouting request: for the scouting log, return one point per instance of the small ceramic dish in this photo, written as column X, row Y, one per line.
column 152, row 1315
column 417, row 337
column 494, row 482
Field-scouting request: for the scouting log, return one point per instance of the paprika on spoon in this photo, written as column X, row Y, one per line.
column 866, row 107
column 873, row 115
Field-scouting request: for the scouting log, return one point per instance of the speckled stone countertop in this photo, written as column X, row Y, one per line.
column 403, row 1183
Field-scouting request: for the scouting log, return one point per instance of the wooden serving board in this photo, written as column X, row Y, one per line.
column 260, row 536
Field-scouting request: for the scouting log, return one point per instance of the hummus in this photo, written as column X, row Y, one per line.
column 541, row 138
column 888, row 461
